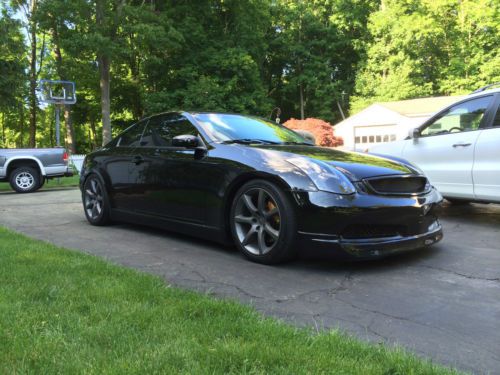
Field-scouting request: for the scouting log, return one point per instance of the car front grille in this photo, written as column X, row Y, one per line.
column 398, row 185
column 359, row 231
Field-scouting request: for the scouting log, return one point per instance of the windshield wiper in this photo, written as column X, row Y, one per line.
column 297, row 143
column 247, row 141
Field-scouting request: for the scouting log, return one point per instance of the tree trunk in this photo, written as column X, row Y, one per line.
column 20, row 143
column 94, row 134
column 33, row 76
column 341, row 111
column 104, row 68
column 301, row 89
column 104, row 62
column 51, row 134
column 70, row 130
column 4, row 142
column 68, row 120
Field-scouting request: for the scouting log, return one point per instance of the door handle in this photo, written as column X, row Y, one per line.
column 462, row 144
column 138, row 160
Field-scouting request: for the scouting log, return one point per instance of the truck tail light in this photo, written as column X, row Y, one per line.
column 65, row 157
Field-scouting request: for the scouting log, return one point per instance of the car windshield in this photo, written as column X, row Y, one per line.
column 231, row 128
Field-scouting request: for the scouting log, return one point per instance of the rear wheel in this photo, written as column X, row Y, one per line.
column 25, row 180
column 262, row 223
column 95, row 201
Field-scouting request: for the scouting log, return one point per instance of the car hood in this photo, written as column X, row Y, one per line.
column 355, row 165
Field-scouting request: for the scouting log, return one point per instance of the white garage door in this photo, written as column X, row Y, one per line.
column 365, row 136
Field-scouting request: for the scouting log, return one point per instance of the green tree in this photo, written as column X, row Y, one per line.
column 214, row 58
column 29, row 9
column 13, row 64
column 315, row 49
column 429, row 47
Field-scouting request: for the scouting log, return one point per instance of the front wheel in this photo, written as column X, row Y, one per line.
column 25, row 180
column 95, row 201
column 262, row 222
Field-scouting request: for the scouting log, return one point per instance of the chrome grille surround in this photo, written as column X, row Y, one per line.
column 400, row 185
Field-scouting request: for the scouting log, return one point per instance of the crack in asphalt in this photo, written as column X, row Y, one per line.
column 216, row 284
column 328, row 291
column 213, row 283
column 457, row 273
column 370, row 329
column 405, row 319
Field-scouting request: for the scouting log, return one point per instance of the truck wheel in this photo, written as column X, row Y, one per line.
column 25, row 180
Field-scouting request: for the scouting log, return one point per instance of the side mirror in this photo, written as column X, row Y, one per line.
column 415, row 133
column 186, row 141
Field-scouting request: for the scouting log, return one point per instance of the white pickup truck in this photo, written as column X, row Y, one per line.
column 458, row 148
column 27, row 169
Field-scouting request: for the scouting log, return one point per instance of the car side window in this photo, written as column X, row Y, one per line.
column 496, row 120
column 462, row 117
column 132, row 136
column 162, row 129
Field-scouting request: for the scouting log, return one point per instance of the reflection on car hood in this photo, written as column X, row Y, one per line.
column 357, row 165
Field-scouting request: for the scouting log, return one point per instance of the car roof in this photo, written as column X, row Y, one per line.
column 484, row 92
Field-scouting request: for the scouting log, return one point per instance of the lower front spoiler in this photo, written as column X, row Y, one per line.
column 370, row 248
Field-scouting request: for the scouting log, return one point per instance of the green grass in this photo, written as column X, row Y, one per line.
column 50, row 184
column 66, row 312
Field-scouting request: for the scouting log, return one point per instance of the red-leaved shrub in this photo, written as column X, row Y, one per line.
column 322, row 131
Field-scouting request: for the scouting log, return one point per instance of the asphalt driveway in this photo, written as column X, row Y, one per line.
column 442, row 303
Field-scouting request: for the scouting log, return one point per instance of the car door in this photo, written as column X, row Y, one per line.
column 118, row 163
column 173, row 176
column 444, row 148
column 138, row 173
column 486, row 169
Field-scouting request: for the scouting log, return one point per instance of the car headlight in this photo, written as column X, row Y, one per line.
column 324, row 176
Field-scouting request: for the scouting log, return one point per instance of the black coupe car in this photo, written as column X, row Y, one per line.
column 242, row 179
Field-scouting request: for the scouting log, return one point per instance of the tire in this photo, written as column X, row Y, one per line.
column 25, row 180
column 263, row 224
column 42, row 182
column 95, row 201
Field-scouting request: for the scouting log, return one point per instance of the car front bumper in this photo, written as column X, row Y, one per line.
column 368, row 248
column 366, row 226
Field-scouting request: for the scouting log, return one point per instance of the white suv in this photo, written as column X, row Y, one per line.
column 458, row 148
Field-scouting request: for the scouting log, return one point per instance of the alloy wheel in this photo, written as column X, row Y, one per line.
column 25, row 180
column 257, row 221
column 93, row 199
